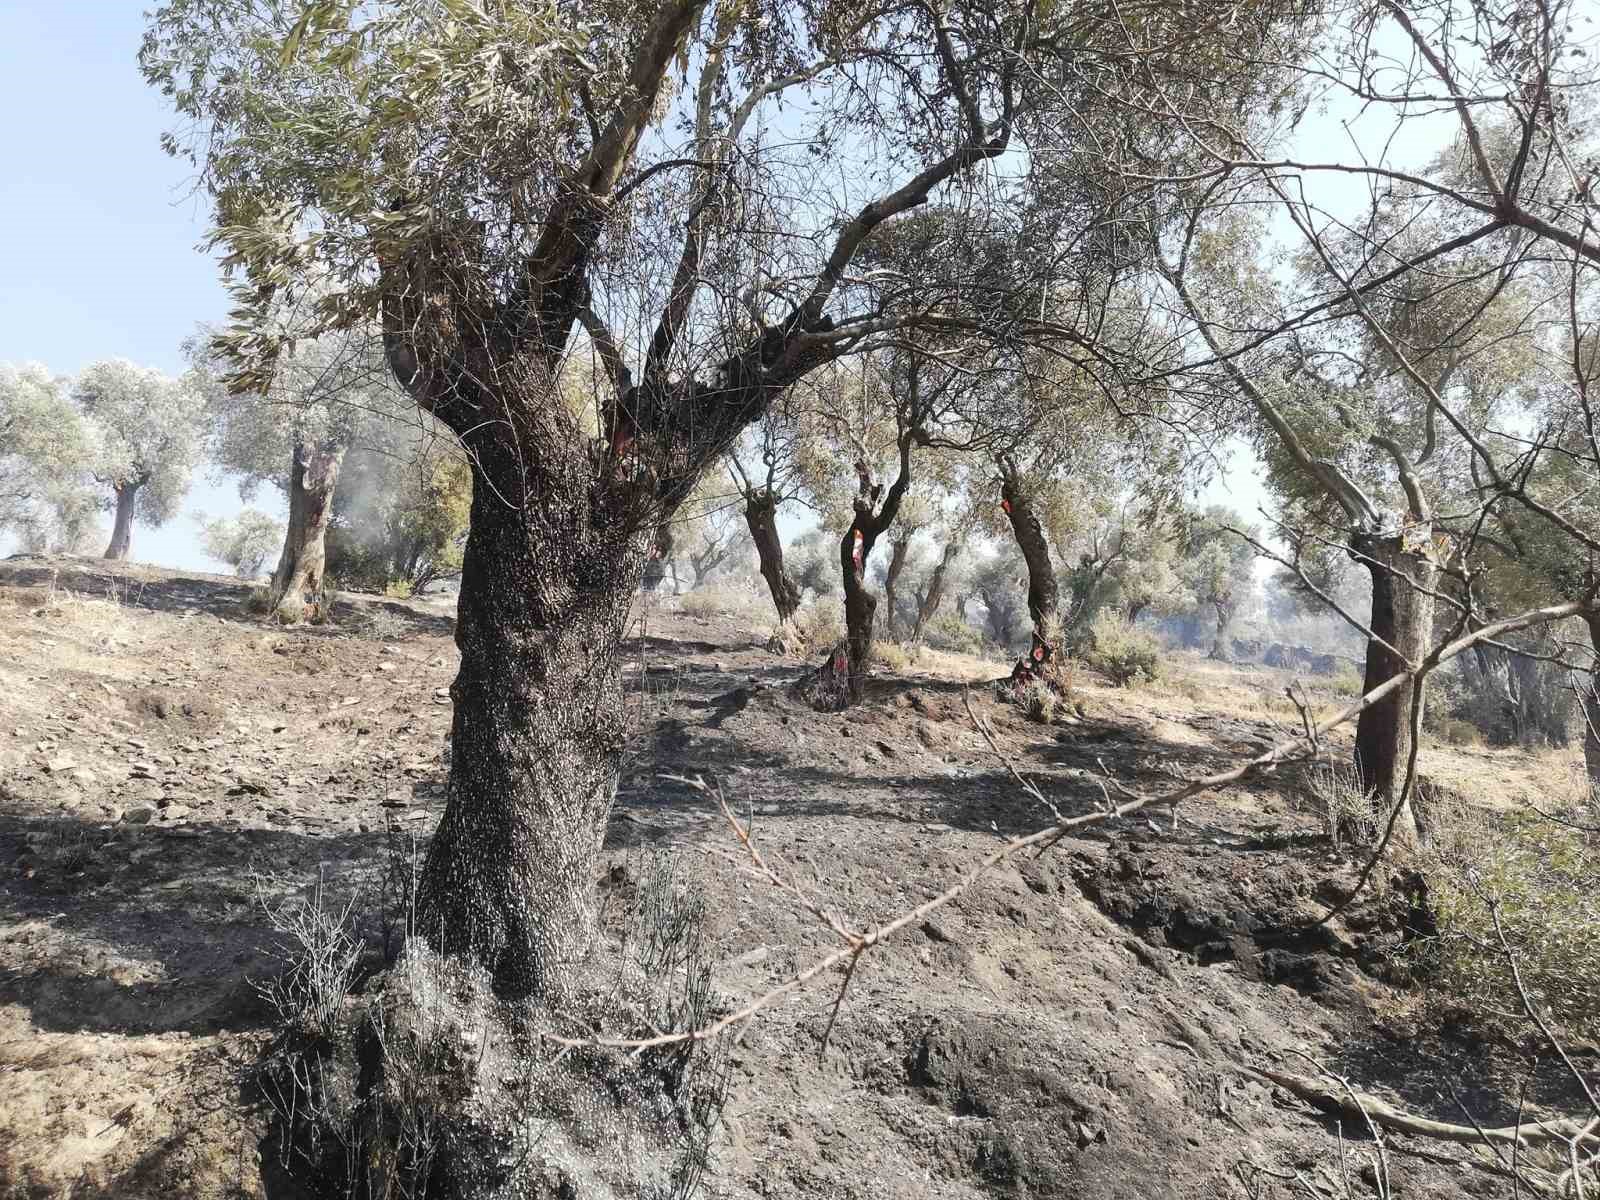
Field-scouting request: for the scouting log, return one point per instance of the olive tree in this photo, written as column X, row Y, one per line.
column 486, row 181
column 1378, row 365
column 325, row 397
column 242, row 541
column 45, row 500
column 145, row 434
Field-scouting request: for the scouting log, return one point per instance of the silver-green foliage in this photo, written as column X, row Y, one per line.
column 244, row 541
column 144, row 429
column 44, row 453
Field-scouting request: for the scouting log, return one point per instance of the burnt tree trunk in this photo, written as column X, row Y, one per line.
column 1135, row 608
column 1043, row 591
column 855, row 547
column 1402, row 615
column 934, row 597
column 297, row 583
column 761, row 516
column 538, row 732
column 900, row 546
column 122, row 527
column 1591, row 710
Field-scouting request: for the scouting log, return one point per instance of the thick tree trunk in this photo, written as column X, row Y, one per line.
column 761, row 515
column 297, row 583
column 1591, row 710
column 1043, row 591
column 536, row 742
column 929, row 607
column 1402, row 615
column 860, row 607
column 899, row 548
column 122, row 529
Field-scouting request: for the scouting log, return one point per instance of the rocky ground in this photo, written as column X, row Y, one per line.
column 1073, row 1026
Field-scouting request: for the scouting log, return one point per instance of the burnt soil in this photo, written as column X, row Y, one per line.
column 1070, row 1027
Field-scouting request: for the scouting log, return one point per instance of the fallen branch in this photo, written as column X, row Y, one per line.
column 1365, row 1106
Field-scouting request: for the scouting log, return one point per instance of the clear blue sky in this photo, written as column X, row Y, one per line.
column 101, row 236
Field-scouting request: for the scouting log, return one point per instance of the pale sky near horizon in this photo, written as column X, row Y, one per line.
column 102, row 258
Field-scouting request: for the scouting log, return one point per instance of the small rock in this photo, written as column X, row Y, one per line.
column 386, row 666
column 60, row 766
column 751, row 957
column 175, row 812
column 139, row 814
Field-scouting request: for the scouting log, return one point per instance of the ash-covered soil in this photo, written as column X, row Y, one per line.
column 1072, row 1026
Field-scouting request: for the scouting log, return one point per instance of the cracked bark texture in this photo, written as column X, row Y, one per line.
column 1403, row 576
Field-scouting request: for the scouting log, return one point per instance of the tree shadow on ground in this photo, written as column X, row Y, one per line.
column 146, row 930
column 139, row 587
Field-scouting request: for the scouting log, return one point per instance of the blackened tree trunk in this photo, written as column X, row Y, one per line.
column 1043, row 591
column 1402, row 615
column 1135, row 608
column 1591, row 710
column 122, row 527
column 761, row 516
column 655, row 568
column 537, row 736
column 928, row 607
column 860, row 605
column 900, row 546
column 297, row 583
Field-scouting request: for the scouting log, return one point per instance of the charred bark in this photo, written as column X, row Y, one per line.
column 1044, row 595
column 537, row 736
column 122, row 527
column 1402, row 615
column 841, row 679
column 761, row 516
column 296, row 586
column 928, row 606
column 900, row 547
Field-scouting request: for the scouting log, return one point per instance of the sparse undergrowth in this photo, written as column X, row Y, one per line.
column 1122, row 653
column 1518, row 887
column 419, row 1081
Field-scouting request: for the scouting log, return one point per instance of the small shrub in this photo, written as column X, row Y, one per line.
column 706, row 602
column 1346, row 681
column 1040, row 701
column 1537, row 875
column 399, row 589
column 1122, row 653
column 1457, row 732
column 953, row 634
column 1349, row 812
column 820, row 623
column 259, row 601
column 892, row 655
column 421, row 1081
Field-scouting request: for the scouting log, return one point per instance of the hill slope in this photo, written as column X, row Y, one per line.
column 1072, row 1026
